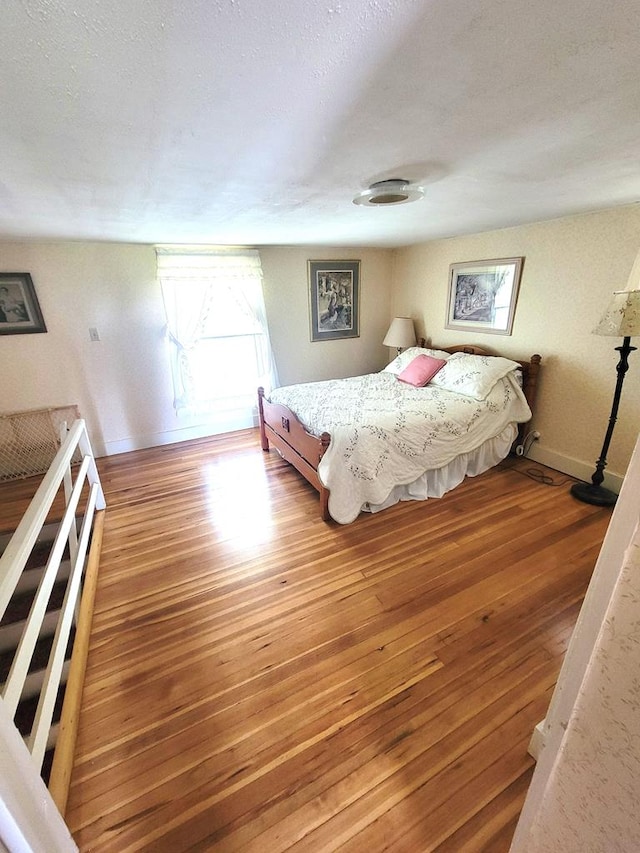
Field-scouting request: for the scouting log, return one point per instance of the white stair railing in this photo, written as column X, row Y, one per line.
column 83, row 483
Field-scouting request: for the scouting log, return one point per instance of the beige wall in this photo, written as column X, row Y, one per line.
column 119, row 383
column 287, row 303
column 122, row 383
column 571, row 267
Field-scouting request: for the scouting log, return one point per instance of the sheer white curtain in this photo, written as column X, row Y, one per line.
column 217, row 325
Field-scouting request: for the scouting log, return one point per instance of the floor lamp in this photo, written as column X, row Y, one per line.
column 621, row 319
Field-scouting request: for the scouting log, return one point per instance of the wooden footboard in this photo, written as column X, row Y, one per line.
column 282, row 429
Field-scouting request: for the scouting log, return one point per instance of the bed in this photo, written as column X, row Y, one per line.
column 367, row 442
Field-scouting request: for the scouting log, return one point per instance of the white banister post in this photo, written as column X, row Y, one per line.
column 68, row 487
column 29, row 819
column 85, row 447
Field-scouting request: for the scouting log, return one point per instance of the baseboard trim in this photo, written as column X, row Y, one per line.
column 537, row 741
column 538, row 453
column 573, row 467
column 156, row 439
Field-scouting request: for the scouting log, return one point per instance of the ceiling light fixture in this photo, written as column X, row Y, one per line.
column 393, row 191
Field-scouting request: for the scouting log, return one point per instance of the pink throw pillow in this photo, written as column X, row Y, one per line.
column 421, row 370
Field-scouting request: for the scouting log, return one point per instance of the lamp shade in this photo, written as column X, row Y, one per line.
column 622, row 317
column 401, row 333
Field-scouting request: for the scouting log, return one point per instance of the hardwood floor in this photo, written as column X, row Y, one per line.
column 259, row 680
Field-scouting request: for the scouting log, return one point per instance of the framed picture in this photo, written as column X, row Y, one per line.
column 334, row 299
column 483, row 294
column 19, row 309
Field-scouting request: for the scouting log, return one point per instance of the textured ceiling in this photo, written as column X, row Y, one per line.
column 256, row 122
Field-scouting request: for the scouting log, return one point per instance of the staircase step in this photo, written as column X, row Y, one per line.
column 20, row 604
column 10, row 634
column 26, row 712
column 47, row 534
column 34, row 681
column 13, row 624
column 30, row 578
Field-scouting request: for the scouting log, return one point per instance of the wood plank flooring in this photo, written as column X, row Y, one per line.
column 259, row 680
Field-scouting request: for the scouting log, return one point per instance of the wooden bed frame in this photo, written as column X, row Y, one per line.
column 280, row 427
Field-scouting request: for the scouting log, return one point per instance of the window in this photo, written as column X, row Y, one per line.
column 216, row 323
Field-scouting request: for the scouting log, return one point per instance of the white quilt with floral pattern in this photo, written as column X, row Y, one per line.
column 386, row 433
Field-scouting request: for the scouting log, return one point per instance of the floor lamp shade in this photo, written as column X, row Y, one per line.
column 401, row 333
column 621, row 319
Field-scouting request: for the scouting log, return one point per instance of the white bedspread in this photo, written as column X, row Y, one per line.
column 386, row 433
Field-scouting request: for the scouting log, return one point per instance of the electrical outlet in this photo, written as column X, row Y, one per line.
column 94, row 334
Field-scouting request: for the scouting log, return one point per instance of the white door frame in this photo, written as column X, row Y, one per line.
column 550, row 733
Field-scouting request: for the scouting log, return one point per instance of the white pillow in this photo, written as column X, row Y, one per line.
column 473, row 375
column 405, row 358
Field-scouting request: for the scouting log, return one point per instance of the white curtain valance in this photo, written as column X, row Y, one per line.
column 202, row 263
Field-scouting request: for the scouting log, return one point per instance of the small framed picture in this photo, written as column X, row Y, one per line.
column 19, row 308
column 483, row 295
column 334, row 299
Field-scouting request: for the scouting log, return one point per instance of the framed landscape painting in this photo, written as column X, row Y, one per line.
column 483, row 295
column 334, row 299
column 19, row 308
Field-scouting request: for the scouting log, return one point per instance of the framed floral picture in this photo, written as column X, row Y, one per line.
column 20, row 312
column 483, row 295
column 334, row 299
